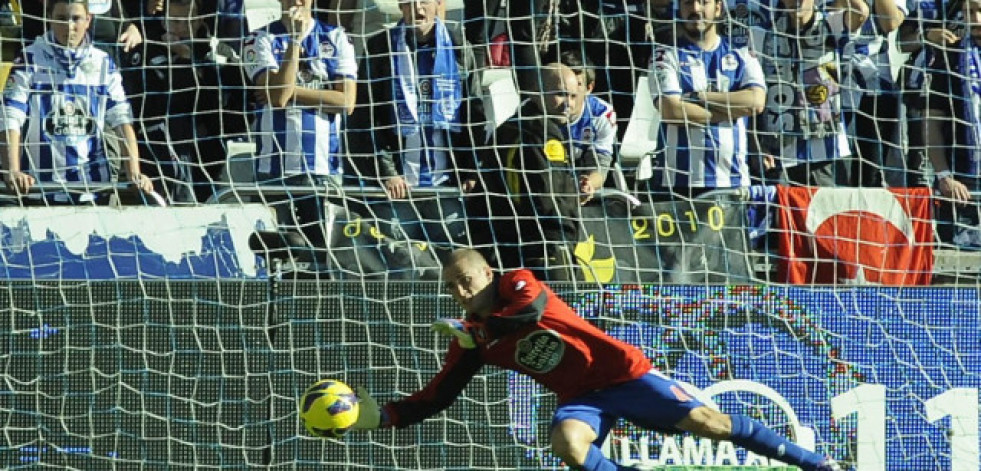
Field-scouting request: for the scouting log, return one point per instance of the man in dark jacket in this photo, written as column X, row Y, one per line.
column 529, row 213
column 188, row 94
column 413, row 132
column 951, row 103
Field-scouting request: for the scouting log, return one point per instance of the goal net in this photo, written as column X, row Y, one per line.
column 136, row 336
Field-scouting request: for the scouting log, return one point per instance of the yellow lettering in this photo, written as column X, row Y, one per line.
column 640, row 229
column 716, row 218
column 692, row 220
column 353, row 228
column 665, row 225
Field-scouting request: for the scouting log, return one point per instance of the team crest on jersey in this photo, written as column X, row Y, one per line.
column 729, row 62
column 87, row 66
column 68, row 121
column 308, row 77
column 425, row 87
column 326, row 50
column 817, row 94
column 540, row 351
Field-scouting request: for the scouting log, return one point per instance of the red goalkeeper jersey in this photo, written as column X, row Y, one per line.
column 531, row 331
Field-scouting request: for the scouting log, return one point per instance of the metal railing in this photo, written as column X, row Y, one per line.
column 40, row 190
column 234, row 194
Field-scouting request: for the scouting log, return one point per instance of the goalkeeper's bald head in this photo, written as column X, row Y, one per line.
column 466, row 258
column 469, row 279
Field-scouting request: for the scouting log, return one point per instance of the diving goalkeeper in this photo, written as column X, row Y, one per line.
column 516, row 322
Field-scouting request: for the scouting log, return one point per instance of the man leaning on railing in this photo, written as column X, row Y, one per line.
column 414, row 129
column 66, row 91
column 528, row 211
column 951, row 108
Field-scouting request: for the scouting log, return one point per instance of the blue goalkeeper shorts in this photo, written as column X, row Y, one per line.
column 653, row 402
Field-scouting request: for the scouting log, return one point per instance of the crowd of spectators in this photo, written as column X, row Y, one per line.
column 801, row 92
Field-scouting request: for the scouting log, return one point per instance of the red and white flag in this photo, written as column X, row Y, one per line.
column 855, row 235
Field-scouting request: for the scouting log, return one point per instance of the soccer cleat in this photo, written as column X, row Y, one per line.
column 829, row 464
column 456, row 328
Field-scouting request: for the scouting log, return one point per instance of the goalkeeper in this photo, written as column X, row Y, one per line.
column 516, row 322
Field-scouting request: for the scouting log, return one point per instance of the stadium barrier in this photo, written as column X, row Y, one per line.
column 715, row 238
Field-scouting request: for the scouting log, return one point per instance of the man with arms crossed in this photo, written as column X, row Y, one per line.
column 706, row 89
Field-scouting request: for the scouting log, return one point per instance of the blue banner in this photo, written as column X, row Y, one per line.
column 113, row 243
column 880, row 378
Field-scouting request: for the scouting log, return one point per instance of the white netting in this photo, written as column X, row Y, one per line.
column 182, row 337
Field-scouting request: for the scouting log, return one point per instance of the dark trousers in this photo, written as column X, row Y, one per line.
column 876, row 122
column 302, row 210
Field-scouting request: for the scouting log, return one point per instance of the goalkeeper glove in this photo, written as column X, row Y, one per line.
column 455, row 328
column 369, row 414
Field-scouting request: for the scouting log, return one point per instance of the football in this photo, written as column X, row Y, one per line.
column 328, row 408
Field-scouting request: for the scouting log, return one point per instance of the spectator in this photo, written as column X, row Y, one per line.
column 114, row 22
column 706, row 89
column 747, row 19
column 617, row 41
column 179, row 88
column 592, row 126
column 934, row 23
column 952, row 111
column 531, row 204
column 533, row 28
column 116, row 27
column 929, row 22
column 359, row 18
column 66, row 91
column 801, row 132
column 414, row 131
column 871, row 97
column 304, row 71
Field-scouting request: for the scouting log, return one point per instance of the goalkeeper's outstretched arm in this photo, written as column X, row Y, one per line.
column 461, row 365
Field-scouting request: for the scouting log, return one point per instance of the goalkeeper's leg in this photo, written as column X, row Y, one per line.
column 754, row 436
column 574, row 441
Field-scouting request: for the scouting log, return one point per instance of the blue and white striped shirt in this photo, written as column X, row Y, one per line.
column 867, row 62
column 746, row 18
column 66, row 98
column 697, row 156
column 596, row 127
column 299, row 139
column 928, row 15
